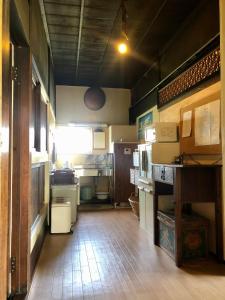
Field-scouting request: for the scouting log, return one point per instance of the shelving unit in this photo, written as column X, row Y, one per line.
column 188, row 184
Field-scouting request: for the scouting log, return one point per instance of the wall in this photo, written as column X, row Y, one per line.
column 22, row 7
column 71, row 108
column 195, row 32
column 172, row 114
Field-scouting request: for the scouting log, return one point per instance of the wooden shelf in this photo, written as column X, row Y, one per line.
column 188, row 184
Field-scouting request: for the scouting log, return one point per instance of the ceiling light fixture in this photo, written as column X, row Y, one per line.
column 122, row 45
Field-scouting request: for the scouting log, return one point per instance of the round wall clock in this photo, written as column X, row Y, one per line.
column 94, row 98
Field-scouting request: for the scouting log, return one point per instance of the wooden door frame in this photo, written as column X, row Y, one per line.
column 23, row 226
column 4, row 171
column 21, row 176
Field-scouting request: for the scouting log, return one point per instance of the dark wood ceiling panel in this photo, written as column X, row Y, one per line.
column 63, row 29
column 65, row 45
column 62, row 21
column 58, row 56
column 62, row 10
column 63, row 38
column 63, row 2
column 88, row 56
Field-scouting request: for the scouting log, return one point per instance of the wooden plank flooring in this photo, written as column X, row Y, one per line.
column 110, row 257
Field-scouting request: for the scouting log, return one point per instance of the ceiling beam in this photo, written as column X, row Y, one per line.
column 43, row 14
column 79, row 36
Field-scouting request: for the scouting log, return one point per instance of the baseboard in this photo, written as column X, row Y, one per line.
column 35, row 254
column 17, row 297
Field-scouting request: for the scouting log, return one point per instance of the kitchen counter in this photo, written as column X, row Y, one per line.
column 92, row 170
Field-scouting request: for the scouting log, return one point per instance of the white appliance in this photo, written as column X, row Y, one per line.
column 71, row 193
column 148, row 154
column 163, row 153
column 60, row 217
column 161, row 132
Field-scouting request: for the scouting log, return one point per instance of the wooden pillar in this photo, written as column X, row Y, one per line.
column 4, row 146
column 222, row 52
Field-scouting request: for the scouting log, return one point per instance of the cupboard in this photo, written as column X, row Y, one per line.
column 188, row 184
column 146, row 211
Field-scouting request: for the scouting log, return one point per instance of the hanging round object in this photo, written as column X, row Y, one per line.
column 94, row 98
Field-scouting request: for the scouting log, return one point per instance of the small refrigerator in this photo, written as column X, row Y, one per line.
column 71, row 193
column 60, row 217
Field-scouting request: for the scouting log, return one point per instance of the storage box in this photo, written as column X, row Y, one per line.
column 194, row 235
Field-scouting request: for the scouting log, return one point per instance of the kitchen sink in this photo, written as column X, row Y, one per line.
column 93, row 172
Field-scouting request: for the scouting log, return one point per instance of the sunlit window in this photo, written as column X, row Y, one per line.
column 72, row 140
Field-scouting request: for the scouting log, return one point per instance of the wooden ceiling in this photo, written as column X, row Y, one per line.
column 82, row 34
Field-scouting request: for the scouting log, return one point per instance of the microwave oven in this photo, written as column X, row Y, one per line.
column 161, row 153
column 161, row 132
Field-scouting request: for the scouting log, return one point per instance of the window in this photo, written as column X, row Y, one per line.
column 73, row 140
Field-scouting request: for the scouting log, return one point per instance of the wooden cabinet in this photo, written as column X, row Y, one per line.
column 146, row 211
column 188, row 184
column 99, row 140
column 123, row 160
column 149, row 212
column 142, row 208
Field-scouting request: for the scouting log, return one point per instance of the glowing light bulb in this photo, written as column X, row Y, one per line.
column 122, row 48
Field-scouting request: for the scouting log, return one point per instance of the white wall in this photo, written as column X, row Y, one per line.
column 71, row 108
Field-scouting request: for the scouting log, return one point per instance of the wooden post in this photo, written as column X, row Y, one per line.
column 4, row 154
column 222, row 76
column 178, row 217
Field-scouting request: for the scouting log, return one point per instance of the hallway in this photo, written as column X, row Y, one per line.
column 110, row 257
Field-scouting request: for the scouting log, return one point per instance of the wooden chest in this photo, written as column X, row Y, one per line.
column 194, row 235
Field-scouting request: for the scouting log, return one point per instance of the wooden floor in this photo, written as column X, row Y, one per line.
column 110, row 257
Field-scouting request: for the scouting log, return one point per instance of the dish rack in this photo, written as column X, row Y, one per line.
column 134, row 203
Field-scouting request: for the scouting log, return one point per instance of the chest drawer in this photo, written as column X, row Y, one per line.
column 164, row 174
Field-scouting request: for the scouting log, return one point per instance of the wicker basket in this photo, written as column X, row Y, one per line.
column 134, row 203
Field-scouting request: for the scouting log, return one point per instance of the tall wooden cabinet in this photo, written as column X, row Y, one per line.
column 122, row 161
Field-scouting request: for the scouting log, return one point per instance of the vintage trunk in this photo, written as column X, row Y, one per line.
column 194, row 235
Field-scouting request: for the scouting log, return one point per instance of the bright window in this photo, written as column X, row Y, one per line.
column 73, row 140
